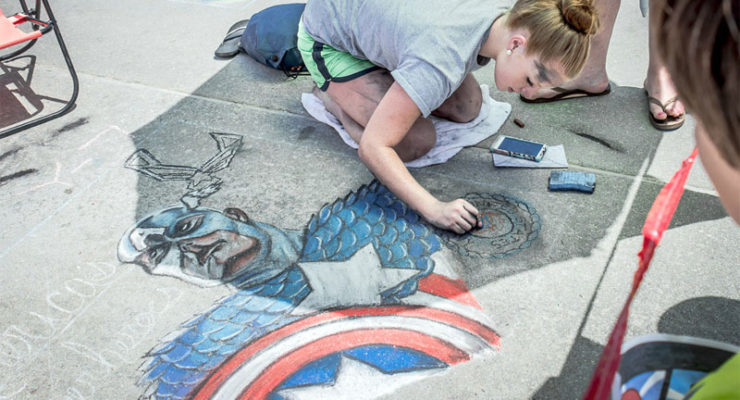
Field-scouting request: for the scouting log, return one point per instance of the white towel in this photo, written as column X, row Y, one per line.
column 451, row 136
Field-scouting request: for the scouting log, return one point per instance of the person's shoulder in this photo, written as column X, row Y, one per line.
column 720, row 384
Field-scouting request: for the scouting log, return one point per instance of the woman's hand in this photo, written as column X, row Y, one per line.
column 458, row 216
column 388, row 125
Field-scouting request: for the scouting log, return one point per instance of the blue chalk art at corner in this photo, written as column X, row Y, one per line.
column 361, row 301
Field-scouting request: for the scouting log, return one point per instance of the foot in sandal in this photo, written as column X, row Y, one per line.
column 665, row 110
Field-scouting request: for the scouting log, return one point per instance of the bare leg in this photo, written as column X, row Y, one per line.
column 593, row 77
column 464, row 104
column 351, row 126
column 658, row 82
column 354, row 102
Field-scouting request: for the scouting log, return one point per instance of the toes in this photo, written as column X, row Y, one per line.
column 658, row 113
column 540, row 94
column 676, row 109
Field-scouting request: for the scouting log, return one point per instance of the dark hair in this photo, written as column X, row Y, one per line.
column 699, row 41
column 559, row 30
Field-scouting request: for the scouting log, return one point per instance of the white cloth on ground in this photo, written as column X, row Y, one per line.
column 451, row 136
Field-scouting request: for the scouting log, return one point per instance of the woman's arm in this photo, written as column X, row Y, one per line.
column 389, row 124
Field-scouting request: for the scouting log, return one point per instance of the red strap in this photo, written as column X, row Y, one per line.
column 656, row 223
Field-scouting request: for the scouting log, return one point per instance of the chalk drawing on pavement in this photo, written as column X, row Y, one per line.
column 510, row 225
column 201, row 180
column 366, row 291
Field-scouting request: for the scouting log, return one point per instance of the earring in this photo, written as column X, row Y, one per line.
column 508, row 52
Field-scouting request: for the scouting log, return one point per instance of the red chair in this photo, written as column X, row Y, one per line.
column 11, row 34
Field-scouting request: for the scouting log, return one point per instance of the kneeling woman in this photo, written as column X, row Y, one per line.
column 384, row 66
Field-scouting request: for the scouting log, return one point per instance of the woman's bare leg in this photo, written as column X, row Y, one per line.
column 464, row 104
column 658, row 82
column 355, row 101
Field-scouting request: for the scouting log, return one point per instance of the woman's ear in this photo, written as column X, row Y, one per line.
column 516, row 41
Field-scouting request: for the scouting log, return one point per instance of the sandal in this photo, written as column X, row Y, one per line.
column 671, row 122
column 565, row 94
column 231, row 44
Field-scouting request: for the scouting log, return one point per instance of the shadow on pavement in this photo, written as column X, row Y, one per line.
column 17, row 96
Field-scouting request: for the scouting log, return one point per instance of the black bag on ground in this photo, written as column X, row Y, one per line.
column 270, row 37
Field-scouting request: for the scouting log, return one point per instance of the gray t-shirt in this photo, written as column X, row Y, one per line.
column 428, row 45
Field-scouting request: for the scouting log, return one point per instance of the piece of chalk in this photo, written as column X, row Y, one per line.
column 519, row 123
column 572, row 180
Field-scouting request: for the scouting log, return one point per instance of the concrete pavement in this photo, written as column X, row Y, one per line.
column 79, row 321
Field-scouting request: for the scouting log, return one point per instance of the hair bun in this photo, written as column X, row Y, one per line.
column 580, row 15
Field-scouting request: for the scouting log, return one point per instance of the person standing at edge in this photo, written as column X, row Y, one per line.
column 700, row 43
column 383, row 67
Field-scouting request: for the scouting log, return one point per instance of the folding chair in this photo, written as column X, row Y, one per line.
column 12, row 35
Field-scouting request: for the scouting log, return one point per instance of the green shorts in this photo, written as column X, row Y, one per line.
column 327, row 64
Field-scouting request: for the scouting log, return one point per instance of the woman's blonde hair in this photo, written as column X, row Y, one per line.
column 699, row 42
column 559, row 30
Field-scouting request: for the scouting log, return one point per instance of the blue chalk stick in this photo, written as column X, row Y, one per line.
column 572, row 180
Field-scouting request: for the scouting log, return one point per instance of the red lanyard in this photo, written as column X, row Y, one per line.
column 656, row 223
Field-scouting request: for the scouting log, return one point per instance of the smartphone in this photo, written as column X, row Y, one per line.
column 514, row 147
